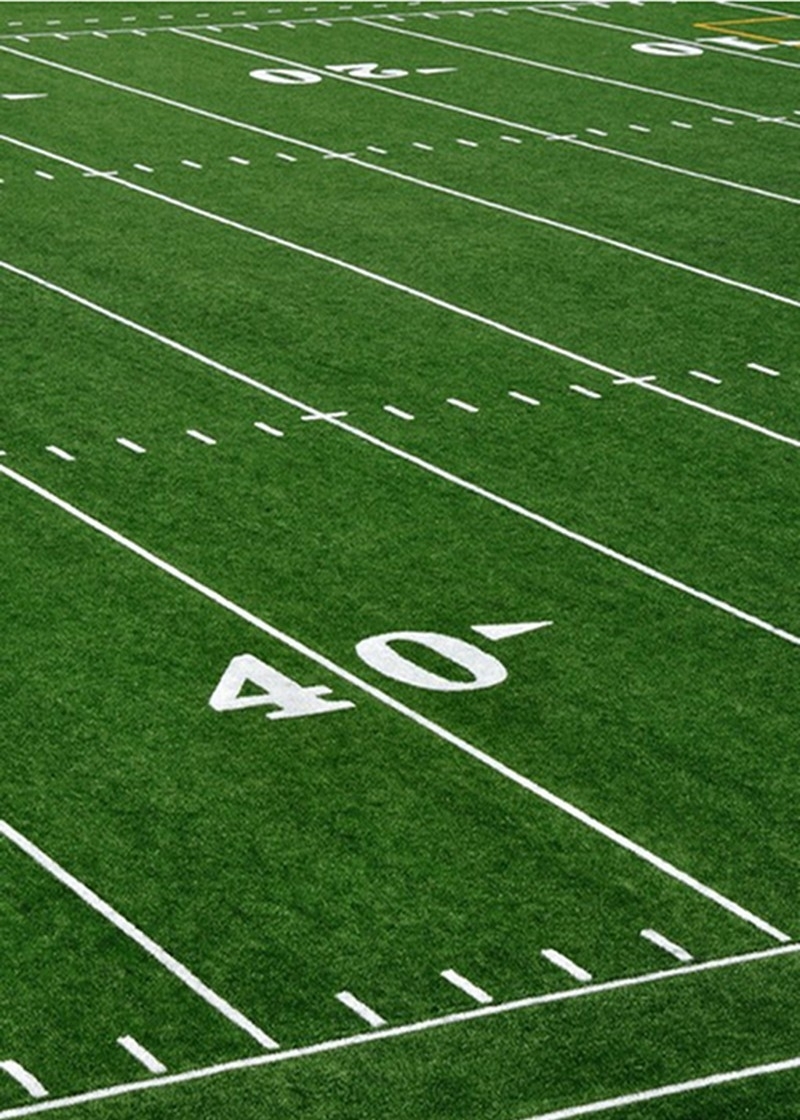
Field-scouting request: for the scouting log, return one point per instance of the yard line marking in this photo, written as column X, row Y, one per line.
column 466, row 986
column 463, row 405
column 193, row 432
column 143, row 167
column 45, row 175
column 332, row 1045
column 437, row 187
column 586, row 392
column 566, row 71
column 239, row 160
column 65, row 455
column 770, row 372
column 701, row 376
column 398, row 412
column 32, row 1086
column 131, row 446
column 315, row 415
column 681, row 124
column 669, row 1090
column 22, row 96
column 262, row 427
column 377, row 151
column 192, row 163
column 636, row 128
column 466, row 143
column 596, row 132
column 141, row 1054
column 521, row 397
column 477, row 115
column 422, row 147
column 722, row 120
column 671, row 947
column 389, row 701
column 165, row 959
column 361, row 1009
column 449, row 476
column 286, row 156
column 567, row 965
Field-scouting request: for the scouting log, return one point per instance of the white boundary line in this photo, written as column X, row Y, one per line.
column 727, row 1078
column 631, row 157
column 522, row 61
column 423, row 464
column 414, row 180
column 419, row 1027
column 416, row 717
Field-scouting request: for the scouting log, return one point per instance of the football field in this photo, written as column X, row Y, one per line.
column 399, row 486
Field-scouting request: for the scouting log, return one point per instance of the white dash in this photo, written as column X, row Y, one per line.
column 639, row 128
column 141, row 1054
column 722, row 120
column 45, row 175
column 54, row 23
column 193, row 432
column 91, row 20
column 323, row 23
column 143, row 167
column 770, row 372
column 466, row 143
column 560, row 961
column 29, row 1083
column 671, row 947
column 596, row 132
column 141, row 34
column 681, row 124
column 398, row 412
column 130, row 445
column 262, row 427
column 287, row 157
column 99, row 34
column 129, row 19
column 422, row 147
column 521, row 397
column 377, row 151
column 62, row 37
column 65, row 455
column 191, row 163
column 698, row 373
column 511, row 139
column 586, row 392
column 456, row 403
column 459, row 981
column 168, row 17
column 361, row 1009
column 238, row 159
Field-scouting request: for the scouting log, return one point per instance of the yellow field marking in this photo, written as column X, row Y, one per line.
column 728, row 24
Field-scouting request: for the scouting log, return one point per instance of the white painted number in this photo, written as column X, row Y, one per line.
column 485, row 670
column 367, row 70
column 668, row 50
column 286, row 77
column 291, row 699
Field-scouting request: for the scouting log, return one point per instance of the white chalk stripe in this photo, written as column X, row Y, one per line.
column 141, row 1054
column 285, row 156
column 671, row 947
column 567, row 965
column 143, row 167
column 58, row 451
column 522, row 397
column 201, row 436
column 29, row 1083
column 584, row 392
column 45, row 175
column 466, row 986
column 702, row 376
column 511, row 139
column 456, row 403
column 192, row 163
column 262, row 427
column 401, row 413
column 130, row 445
column 366, row 1013
column 377, row 151
column 768, row 370
column 722, row 120
column 152, row 948
column 239, row 160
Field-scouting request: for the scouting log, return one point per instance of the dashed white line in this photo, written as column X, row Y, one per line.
column 596, row 132
column 722, row 120
column 141, row 1054
column 701, row 376
column 456, row 403
column 637, row 128
column 143, row 167
column 262, row 427
column 522, row 397
column 285, row 156
column 671, row 947
column 584, row 392
column 130, row 445
column 567, row 965
column 466, row 143
column 32, row 1086
column 60, row 453
column 768, row 370
column 511, row 139
column 240, row 160
column 201, row 436
column 377, row 151
column 45, row 175
column 366, row 1013
column 422, row 147
column 466, row 986
column 681, row 124
column 192, row 163
column 398, row 412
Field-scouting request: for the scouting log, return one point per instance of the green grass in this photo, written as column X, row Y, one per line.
column 284, row 861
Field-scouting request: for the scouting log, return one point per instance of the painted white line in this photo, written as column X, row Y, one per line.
column 143, row 167
column 192, row 163
column 596, row 132
column 32, row 1086
column 448, row 476
column 377, row 151
column 262, row 427
column 466, row 986
column 673, row 1090
column 522, row 397
column 636, row 128
column 566, row 965
column 681, row 124
column 466, row 143
column 165, row 959
column 45, row 175
column 361, row 1009
column 584, row 392
column 99, row 35
column 131, row 446
column 500, row 632
column 671, row 947
column 463, row 405
column 201, row 436
column 239, row 160
column 702, row 376
column 65, row 455
column 425, row 184
column 768, row 370
column 422, row 147
column 141, row 1054
column 722, row 120
column 398, row 412
column 286, row 156
column 314, row 415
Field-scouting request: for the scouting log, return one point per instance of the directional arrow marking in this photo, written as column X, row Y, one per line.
column 21, row 96
column 508, row 630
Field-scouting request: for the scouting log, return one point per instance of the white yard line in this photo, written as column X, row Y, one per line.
column 141, row 1054
column 32, row 1085
column 420, row 1027
column 423, row 464
column 466, row 986
column 617, row 153
column 671, row 947
column 384, row 698
column 151, row 947
column 566, row 965
column 425, row 184
column 361, row 1009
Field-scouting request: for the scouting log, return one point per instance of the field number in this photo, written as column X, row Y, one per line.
column 275, row 689
column 366, row 71
column 485, row 669
column 668, row 50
